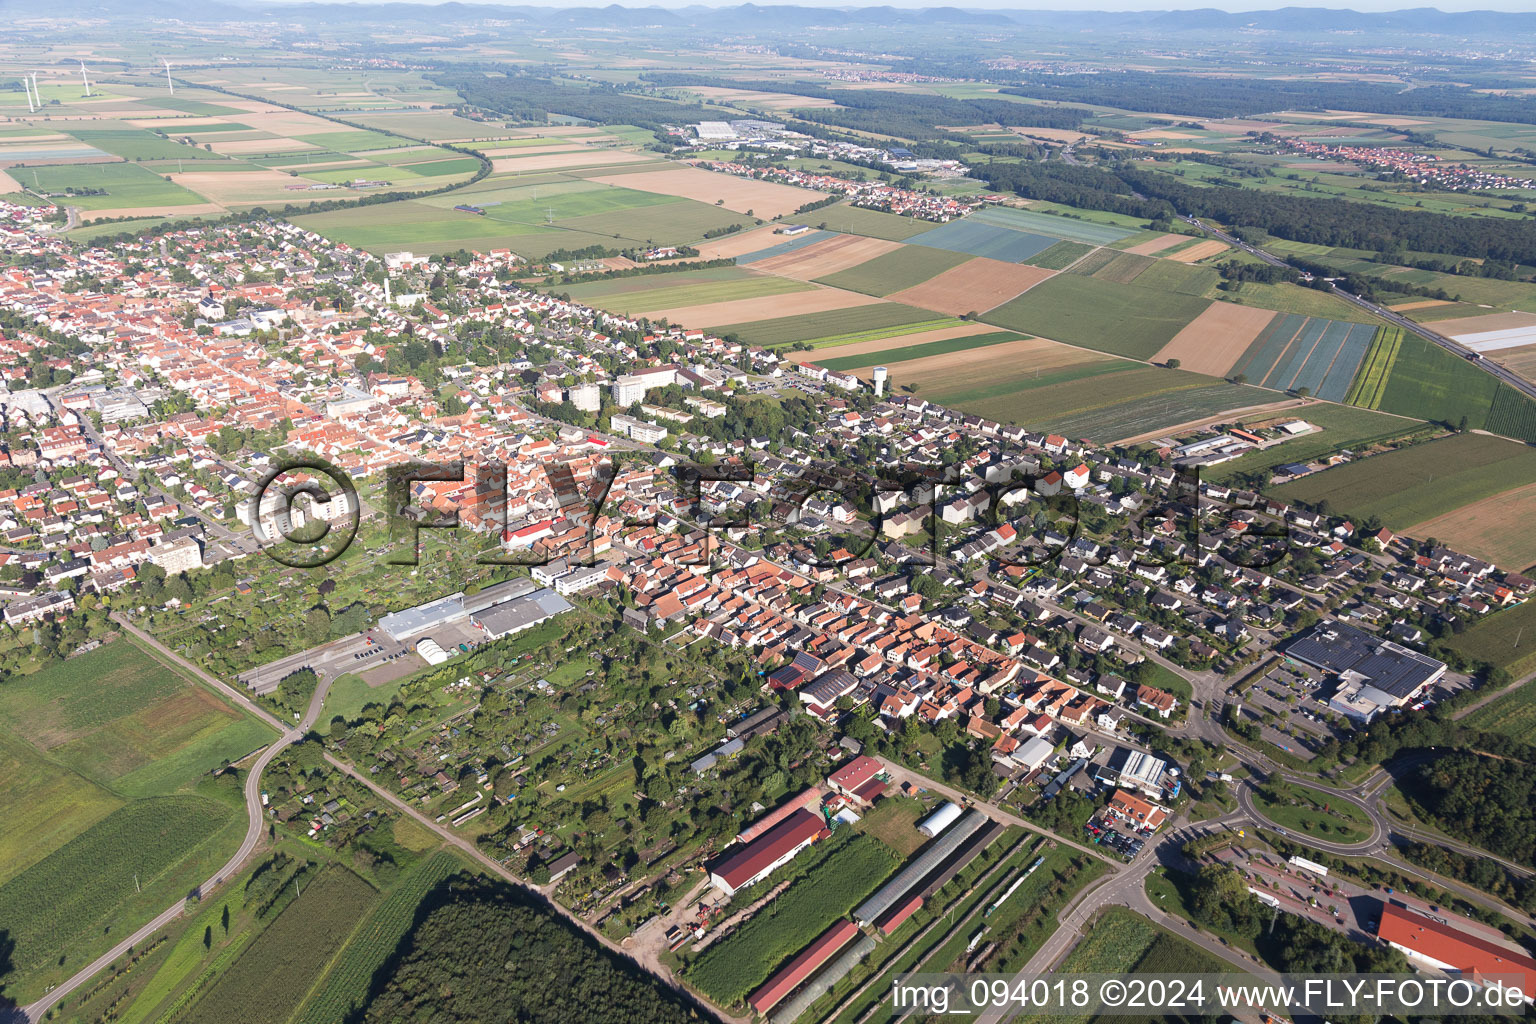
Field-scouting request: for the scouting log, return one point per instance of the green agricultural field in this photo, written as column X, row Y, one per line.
column 666, row 295
column 892, row 271
column 1123, row 319
column 1183, row 278
column 441, row 168
column 1513, row 714
column 1428, row 382
column 1293, row 298
column 731, row 968
column 617, row 287
column 1501, row 639
column 910, row 352
column 855, row 220
column 1068, row 224
column 140, row 144
column 880, row 333
column 1060, row 256
column 1413, row 484
column 1370, row 384
column 60, row 910
column 1113, row 265
column 1142, row 415
column 344, row 989
column 107, row 757
column 275, row 972
column 128, row 186
column 353, row 141
column 811, row 326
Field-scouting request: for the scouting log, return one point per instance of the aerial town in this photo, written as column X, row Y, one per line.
column 844, row 536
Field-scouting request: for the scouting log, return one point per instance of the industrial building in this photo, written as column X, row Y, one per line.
column 768, row 852
column 519, row 613
column 457, row 607
column 1374, row 674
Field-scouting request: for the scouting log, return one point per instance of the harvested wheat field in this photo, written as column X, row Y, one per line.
column 1198, row 251
column 825, row 257
column 245, row 147
column 559, row 161
column 1481, row 324
column 764, row 199
column 767, row 307
column 1403, row 307
column 739, row 243
column 974, row 286
column 965, row 369
column 1213, row 341
column 1489, row 529
column 164, row 210
column 1155, row 245
column 878, row 349
column 1053, row 134
column 1522, row 360
column 8, row 183
column 238, row 187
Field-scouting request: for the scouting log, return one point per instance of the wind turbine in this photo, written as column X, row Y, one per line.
column 168, row 83
column 37, row 96
column 28, row 90
column 85, row 79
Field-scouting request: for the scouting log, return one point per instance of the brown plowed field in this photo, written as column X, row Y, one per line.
column 739, row 243
column 1213, row 341
column 1493, row 529
column 1156, row 245
column 825, row 257
column 1199, row 251
column 975, row 285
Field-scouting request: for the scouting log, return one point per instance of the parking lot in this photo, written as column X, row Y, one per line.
column 1116, row 836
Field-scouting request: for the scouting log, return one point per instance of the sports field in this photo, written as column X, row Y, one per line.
column 1419, row 483
column 1123, row 319
column 893, row 271
column 1296, row 352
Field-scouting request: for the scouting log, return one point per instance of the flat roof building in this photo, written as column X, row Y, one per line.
column 1374, row 674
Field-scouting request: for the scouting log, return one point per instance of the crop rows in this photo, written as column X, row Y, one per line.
column 1371, row 383
column 346, row 987
column 1513, row 414
column 734, row 966
column 877, row 333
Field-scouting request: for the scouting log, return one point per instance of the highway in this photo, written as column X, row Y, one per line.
column 1396, row 319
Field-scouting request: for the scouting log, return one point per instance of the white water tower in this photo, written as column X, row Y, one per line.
column 880, row 375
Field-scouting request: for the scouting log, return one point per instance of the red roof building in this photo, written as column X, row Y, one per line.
column 1448, row 948
column 855, row 773
column 773, row 849
column 798, row 970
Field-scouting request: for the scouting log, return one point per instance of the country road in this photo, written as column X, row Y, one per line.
column 286, row 736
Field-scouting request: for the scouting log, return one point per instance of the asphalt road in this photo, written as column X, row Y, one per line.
column 253, row 834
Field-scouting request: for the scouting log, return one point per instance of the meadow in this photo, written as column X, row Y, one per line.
column 1125, row 320
column 1060, row 256
column 1411, row 485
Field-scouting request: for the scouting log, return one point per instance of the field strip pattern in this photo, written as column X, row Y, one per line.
column 787, row 246
column 1371, row 384
column 1299, row 351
